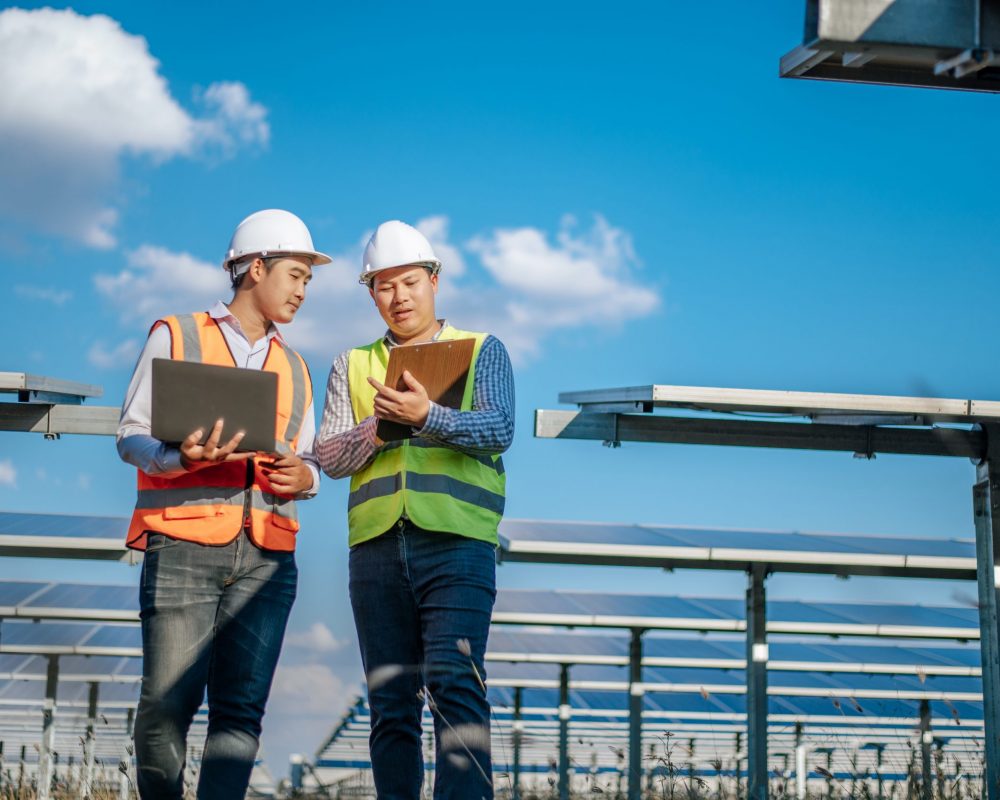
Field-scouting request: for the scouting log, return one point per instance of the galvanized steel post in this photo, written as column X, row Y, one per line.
column 986, row 509
column 756, row 677
column 516, row 727
column 635, row 697
column 564, row 712
column 88, row 742
column 926, row 739
column 124, row 782
column 48, row 730
column 801, row 770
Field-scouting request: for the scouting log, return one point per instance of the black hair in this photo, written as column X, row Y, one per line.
column 237, row 280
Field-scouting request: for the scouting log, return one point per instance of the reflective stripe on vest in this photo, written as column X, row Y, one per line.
column 298, row 406
column 216, row 496
column 208, row 506
column 190, row 339
column 438, row 488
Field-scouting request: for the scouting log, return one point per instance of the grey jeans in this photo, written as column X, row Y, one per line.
column 212, row 618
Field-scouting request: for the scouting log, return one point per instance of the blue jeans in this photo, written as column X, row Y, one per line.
column 416, row 594
column 211, row 617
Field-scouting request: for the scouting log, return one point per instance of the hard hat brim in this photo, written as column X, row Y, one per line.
column 432, row 264
column 318, row 259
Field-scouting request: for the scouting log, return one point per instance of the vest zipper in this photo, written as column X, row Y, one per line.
column 405, row 447
column 248, row 493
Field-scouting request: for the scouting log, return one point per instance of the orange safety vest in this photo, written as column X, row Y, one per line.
column 212, row 505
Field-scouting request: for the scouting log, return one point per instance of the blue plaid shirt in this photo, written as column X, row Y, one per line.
column 343, row 447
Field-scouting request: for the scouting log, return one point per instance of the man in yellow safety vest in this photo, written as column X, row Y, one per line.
column 422, row 518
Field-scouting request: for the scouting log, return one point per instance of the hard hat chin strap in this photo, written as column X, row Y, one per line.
column 242, row 267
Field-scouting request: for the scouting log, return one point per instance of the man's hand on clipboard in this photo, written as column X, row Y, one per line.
column 408, row 407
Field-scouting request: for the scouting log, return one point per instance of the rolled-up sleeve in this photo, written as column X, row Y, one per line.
column 488, row 429
column 343, row 447
column 136, row 445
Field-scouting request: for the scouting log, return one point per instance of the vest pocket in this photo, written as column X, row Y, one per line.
column 283, row 522
column 193, row 512
column 283, row 511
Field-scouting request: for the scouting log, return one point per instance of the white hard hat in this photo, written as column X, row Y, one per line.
column 272, row 232
column 396, row 244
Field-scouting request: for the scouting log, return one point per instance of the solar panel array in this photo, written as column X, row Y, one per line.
column 705, row 737
column 694, row 687
column 93, row 631
column 846, row 696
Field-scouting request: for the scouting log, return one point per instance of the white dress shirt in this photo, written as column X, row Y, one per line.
column 135, row 444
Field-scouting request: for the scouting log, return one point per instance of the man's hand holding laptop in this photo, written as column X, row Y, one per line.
column 287, row 474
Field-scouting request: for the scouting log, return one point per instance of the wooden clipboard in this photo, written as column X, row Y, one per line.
column 442, row 368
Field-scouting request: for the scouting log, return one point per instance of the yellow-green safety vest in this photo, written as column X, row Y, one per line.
column 437, row 488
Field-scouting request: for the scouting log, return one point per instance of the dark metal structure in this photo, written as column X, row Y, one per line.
column 941, row 44
column 53, row 407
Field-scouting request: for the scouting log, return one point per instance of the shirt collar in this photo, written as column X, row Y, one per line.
column 221, row 313
column 390, row 340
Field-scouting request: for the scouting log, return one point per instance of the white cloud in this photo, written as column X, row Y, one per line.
column 79, row 94
column 57, row 297
column 122, row 356
column 528, row 287
column 234, row 120
column 518, row 284
column 586, row 277
column 8, row 473
column 306, row 701
column 318, row 638
column 436, row 231
column 158, row 282
column 307, row 689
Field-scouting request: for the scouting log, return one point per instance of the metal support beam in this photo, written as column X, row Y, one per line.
column 801, row 770
column 48, row 730
column 756, row 685
column 986, row 509
column 564, row 714
column 635, row 698
column 124, row 781
column 738, row 762
column 516, row 728
column 88, row 742
column 926, row 740
column 53, row 420
column 864, row 440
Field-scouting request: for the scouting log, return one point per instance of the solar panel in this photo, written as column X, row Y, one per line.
column 506, row 644
column 58, row 638
column 803, row 404
column 534, row 607
column 708, row 681
column 64, row 536
column 69, row 601
column 63, row 525
column 713, row 548
column 76, row 668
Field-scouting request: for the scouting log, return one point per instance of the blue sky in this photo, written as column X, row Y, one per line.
column 626, row 195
